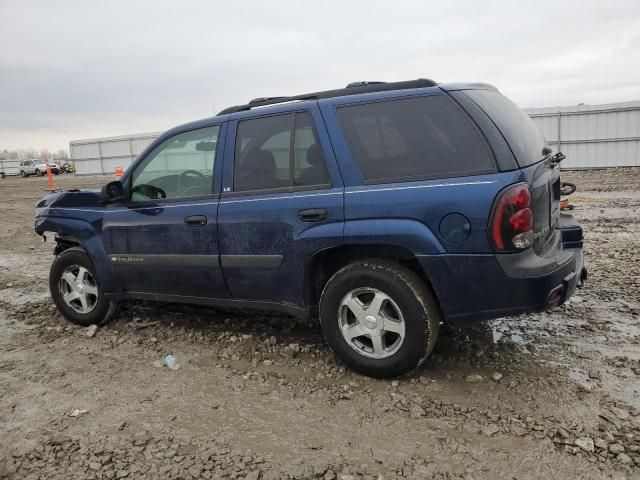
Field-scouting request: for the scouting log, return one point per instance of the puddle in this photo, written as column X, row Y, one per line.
column 507, row 335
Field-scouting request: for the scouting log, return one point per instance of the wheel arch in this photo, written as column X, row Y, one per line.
column 325, row 263
column 72, row 233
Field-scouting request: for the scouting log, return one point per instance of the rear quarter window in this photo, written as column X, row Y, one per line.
column 522, row 135
column 415, row 138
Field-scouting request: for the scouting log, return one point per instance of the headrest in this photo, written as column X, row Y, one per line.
column 261, row 162
column 314, row 155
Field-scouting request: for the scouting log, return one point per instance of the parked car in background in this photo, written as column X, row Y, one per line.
column 37, row 167
column 384, row 208
column 67, row 167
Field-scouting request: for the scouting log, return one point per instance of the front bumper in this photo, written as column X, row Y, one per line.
column 472, row 288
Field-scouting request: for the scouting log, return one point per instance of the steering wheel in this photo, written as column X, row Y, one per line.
column 149, row 191
column 200, row 181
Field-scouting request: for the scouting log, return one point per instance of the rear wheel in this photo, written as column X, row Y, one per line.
column 76, row 290
column 379, row 317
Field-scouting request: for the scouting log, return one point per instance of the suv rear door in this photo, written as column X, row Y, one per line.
column 282, row 201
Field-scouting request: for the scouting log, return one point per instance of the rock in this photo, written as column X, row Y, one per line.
column 474, row 378
column 497, row 376
column 620, row 413
column 416, row 411
column 253, row 475
column 329, row 475
column 601, row 444
column 395, row 383
column 616, row 448
column 346, row 477
column 141, row 438
column 585, row 443
column 59, row 439
column 77, row 412
column 91, row 330
column 490, row 430
column 624, row 458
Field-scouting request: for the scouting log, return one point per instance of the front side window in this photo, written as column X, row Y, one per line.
column 181, row 166
column 413, row 139
column 278, row 152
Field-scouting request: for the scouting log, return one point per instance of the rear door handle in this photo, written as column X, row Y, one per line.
column 313, row 214
column 195, row 220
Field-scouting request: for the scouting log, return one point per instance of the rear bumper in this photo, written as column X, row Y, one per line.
column 472, row 288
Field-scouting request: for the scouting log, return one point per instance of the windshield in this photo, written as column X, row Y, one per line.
column 522, row 135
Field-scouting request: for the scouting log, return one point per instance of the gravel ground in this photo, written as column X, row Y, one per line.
column 553, row 395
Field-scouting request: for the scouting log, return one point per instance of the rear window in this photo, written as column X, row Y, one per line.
column 413, row 139
column 522, row 135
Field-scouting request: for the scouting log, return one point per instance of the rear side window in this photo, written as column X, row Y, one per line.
column 278, row 152
column 413, row 139
column 522, row 135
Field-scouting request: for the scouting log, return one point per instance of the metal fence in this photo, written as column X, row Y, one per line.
column 102, row 155
column 592, row 136
column 10, row 167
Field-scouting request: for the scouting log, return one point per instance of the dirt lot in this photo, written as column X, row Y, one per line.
column 552, row 395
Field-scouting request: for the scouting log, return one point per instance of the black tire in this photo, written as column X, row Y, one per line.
column 567, row 188
column 38, row 173
column 103, row 308
column 415, row 300
column 23, row 174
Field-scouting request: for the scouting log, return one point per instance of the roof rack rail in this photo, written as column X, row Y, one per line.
column 364, row 82
column 264, row 99
column 353, row 88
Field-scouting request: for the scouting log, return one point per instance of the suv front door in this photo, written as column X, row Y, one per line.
column 282, row 201
column 163, row 240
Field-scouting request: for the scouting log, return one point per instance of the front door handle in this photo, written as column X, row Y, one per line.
column 195, row 220
column 312, row 214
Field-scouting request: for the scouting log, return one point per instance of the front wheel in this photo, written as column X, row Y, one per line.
column 38, row 173
column 23, row 174
column 379, row 317
column 76, row 290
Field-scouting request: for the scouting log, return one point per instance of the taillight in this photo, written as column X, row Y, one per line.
column 512, row 221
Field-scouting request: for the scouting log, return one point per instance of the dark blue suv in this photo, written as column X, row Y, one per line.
column 384, row 208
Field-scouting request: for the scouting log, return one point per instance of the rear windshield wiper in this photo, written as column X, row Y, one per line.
column 557, row 158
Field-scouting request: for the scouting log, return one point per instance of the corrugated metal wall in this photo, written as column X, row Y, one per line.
column 103, row 155
column 10, row 167
column 593, row 136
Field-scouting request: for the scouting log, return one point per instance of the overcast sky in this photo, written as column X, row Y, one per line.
column 82, row 69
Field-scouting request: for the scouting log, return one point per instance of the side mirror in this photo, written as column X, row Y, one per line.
column 112, row 192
